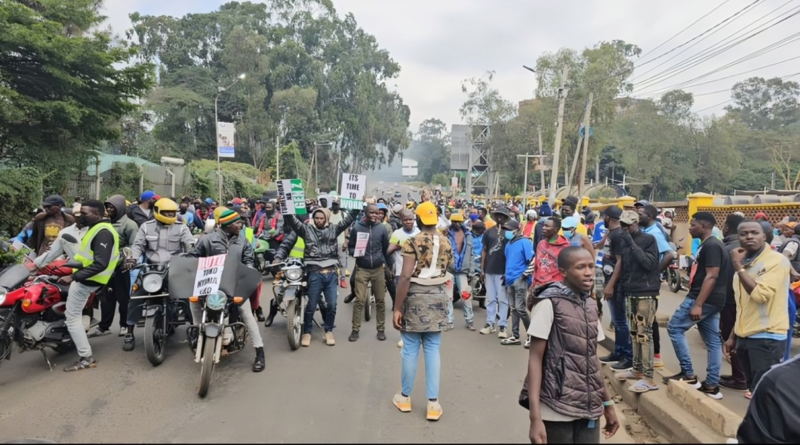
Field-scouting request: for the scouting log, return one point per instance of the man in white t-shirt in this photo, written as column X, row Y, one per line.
column 398, row 238
column 567, row 393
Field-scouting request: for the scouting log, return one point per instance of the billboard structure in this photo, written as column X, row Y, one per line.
column 469, row 153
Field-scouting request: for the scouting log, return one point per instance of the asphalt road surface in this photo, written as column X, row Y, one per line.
column 315, row 394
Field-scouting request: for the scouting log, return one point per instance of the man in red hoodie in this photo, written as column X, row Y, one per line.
column 545, row 263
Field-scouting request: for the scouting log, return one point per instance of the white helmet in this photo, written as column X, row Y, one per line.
column 530, row 214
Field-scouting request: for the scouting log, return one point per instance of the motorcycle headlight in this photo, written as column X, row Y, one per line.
column 294, row 273
column 216, row 301
column 151, row 283
column 3, row 293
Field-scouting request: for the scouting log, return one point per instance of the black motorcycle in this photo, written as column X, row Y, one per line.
column 161, row 314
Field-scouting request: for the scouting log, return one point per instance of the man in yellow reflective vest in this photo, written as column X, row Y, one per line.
column 99, row 255
column 292, row 246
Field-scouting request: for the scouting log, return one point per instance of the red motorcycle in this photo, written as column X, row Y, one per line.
column 33, row 316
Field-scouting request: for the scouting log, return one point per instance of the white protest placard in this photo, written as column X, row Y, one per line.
column 362, row 241
column 352, row 192
column 209, row 274
column 293, row 197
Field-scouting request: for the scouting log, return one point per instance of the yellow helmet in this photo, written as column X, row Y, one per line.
column 217, row 212
column 165, row 205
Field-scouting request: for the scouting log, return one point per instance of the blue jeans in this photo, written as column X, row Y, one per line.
column 709, row 331
column 496, row 296
column 318, row 284
column 792, row 318
column 622, row 333
column 460, row 281
column 430, row 342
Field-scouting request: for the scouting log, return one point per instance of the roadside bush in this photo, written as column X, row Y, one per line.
column 20, row 192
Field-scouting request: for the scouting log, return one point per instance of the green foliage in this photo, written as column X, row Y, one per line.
column 123, row 179
column 311, row 76
column 63, row 87
column 765, row 104
column 440, row 179
column 20, row 192
column 292, row 163
column 435, row 137
column 238, row 179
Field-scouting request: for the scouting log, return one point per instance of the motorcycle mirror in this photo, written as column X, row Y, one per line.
column 69, row 238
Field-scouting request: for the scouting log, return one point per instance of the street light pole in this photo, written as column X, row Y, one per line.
column 216, row 132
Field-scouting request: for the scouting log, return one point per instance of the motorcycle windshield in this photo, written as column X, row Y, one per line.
column 14, row 276
column 237, row 279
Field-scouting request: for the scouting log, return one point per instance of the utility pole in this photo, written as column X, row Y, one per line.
column 562, row 93
column 586, row 127
column 541, row 162
column 574, row 162
column 527, row 156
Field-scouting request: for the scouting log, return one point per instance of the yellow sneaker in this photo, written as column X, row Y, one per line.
column 434, row 410
column 402, row 403
column 347, row 273
column 305, row 341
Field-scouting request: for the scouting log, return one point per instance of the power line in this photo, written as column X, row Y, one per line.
column 731, row 99
column 679, row 33
column 697, row 37
column 717, row 48
column 760, row 52
column 684, row 85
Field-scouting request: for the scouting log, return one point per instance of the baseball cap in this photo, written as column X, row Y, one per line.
column 643, row 202
column 427, row 213
column 53, row 200
column 511, row 224
column 613, row 212
column 501, row 210
column 457, row 217
column 147, row 195
column 628, row 217
column 569, row 222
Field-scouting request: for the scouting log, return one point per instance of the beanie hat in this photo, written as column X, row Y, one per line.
column 228, row 217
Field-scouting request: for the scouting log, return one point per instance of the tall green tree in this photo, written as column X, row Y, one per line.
column 434, row 136
column 63, row 88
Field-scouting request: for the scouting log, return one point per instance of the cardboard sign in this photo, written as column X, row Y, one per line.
column 209, row 275
column 293, row 198
column 352, row 192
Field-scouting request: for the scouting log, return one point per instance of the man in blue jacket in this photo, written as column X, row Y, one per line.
column 519, row 253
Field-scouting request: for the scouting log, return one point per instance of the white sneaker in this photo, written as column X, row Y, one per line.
column 528, row 342
column 488, row 329
column 87, row 323
column 400, row 344
column 122, row 331
column 502, row 333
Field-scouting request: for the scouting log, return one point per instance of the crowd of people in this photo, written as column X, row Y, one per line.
column 549, row 269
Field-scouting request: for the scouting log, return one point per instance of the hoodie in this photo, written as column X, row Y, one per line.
column 122, row 224
column 519, row 253
column 377, row 244
column 546, row 261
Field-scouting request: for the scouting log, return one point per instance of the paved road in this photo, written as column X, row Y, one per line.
column 315, row 394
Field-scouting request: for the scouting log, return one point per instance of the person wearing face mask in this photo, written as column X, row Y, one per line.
column 118, row 291
column 569, row 227
column 99, row 255
column 568, row 209
column 185, row 216
column 462, row 267
column 519, row 253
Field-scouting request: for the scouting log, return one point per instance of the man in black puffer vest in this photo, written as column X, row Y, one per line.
column 567, row 394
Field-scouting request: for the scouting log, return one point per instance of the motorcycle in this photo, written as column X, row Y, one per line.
column 476, row 282
column 292, row 298
column 218, row 332
column 264, row 257
column 33, row 316
column 678, row 277
column 162, row 314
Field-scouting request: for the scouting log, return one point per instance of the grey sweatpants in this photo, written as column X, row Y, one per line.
column 245, row 312
column 76, row 300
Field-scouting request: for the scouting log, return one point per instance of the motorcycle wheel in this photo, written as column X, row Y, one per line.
column 206, row 365
column 5, row 346
column 368, row 308
column 155, row 338
column 293, row 324
column 674, row 280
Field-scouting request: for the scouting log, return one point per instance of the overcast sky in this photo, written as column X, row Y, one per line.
column 438, row 43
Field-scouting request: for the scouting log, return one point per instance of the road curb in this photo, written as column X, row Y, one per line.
column 674, row 411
